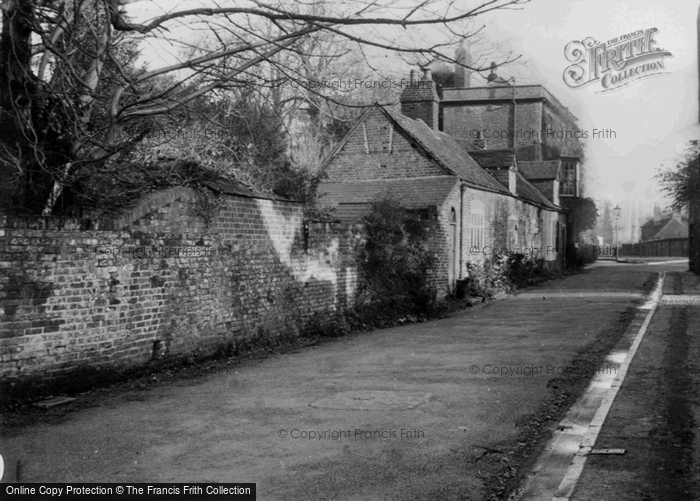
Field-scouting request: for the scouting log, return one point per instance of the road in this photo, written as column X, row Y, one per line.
column 456, row 408
column 655, row 414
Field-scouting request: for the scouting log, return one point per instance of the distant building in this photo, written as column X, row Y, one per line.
column 527, row 119
column 665, row 226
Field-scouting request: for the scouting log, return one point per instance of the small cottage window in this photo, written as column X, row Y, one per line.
column 477, row 226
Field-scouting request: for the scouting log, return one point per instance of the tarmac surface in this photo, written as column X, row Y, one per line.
column 432, row 410
column 652, row 423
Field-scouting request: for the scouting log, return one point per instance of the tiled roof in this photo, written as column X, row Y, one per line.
column 668, row 227
column 502, row 176
column 447, row 151
column 350, row 212
column 542, row 170
column 674, row 229
column 470, row 167
column 352, row 199
column 497, row 161
column 528, row 192
column 651, row 228
column 493, row 159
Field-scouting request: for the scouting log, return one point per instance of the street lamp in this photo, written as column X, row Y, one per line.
column 617, row 211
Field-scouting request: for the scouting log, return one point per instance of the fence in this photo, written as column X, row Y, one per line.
column 671, row 247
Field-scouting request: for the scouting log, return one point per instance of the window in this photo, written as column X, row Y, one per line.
column 568, row 185
column 477, row 226
column 513, row 232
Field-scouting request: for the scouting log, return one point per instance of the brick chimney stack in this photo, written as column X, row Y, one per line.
column 463, row 75
column 657, row 214
column 538, row 149
column 419, row 100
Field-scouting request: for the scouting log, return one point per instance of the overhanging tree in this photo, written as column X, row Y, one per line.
column 682, row 184
column 71, row 97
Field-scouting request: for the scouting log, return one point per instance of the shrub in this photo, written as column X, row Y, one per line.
column 505, row 272
column 585, row 254
column 396, row 261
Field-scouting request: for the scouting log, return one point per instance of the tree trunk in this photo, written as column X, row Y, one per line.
column 24, row 184
column 694, row 230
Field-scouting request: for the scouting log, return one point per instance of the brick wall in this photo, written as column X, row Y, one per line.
column 533, row 121
column 495, row 121
column 375, row 150
column 103, row 293
column 510, row 225
column 558, row 134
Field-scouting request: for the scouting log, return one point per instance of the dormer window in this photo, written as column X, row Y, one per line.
column 569, row 184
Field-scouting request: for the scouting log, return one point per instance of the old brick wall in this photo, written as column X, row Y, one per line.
column 511, row 225
column 76, row 292
column 375, row 150
column 495, row 122
column 561, row 135
column 534, row 120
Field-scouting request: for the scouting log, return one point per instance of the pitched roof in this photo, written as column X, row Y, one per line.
column 494, row 159
column 525, row 190
column 470, row 167
column 352, row 199
column 447, row 151
column 540, row 170
column 497, row 161
column 673, row 229
column 667, row 227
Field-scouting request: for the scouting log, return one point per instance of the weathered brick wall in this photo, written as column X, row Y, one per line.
column 495, row 122
column 376, row 151
column 78, row 292
column 561, row 134
column 511, row 225
column 533, row 121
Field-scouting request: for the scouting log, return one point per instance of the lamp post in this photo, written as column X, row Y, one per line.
column 617, row 211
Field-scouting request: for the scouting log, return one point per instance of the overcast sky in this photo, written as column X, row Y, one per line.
column 652, row 118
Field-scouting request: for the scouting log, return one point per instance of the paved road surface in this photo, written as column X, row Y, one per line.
column 656, row 412
column 416, row 412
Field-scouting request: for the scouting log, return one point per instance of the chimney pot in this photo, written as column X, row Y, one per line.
column 427, row 74
column 492, row 76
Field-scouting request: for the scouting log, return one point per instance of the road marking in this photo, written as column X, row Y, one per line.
column 560, row 465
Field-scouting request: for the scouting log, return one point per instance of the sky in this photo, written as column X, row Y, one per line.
column 651, row 119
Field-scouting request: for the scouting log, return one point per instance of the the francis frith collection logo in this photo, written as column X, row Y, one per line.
column 616, row 62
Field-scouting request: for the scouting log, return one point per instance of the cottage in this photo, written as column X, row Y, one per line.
column 665, row 226
column 480, row 211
